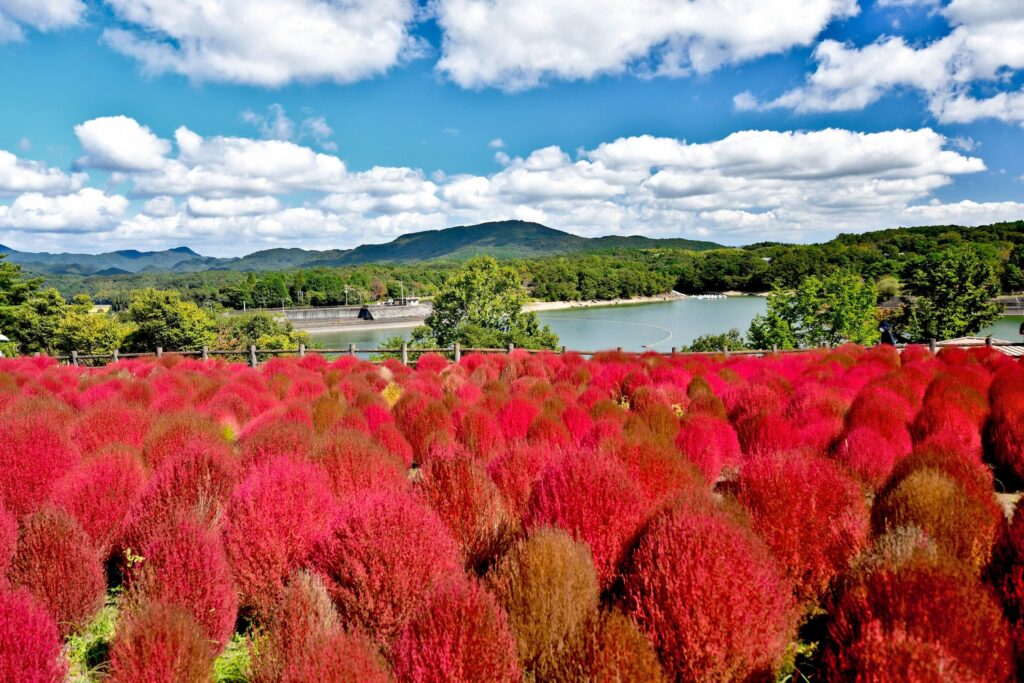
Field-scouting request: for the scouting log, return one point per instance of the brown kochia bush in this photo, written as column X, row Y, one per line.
column 609, row 647
column 548, row 587
column 56, row 561
column 160, row 642
column 304, row 642
column 962, row 525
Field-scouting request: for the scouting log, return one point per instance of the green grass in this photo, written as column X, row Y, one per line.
column 87, row 652
column 232, row 666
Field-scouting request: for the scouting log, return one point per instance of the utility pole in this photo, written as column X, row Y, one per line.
column 346, row 295
column 401, row 287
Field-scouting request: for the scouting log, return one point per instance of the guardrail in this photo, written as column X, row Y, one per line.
column 408, row 355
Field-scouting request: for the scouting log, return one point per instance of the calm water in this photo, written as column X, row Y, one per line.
column 635, row 327
column 659, row 326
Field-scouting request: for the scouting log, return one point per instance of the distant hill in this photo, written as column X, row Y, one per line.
column 504, row 239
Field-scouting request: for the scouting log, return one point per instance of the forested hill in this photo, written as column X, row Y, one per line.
column 504, row 239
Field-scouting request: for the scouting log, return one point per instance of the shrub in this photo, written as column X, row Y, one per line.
column 8, row 540
column 460, row 635
column 111, row 422
column 659, row 472
column 872, row 454
column 30, row 644
column 811, row 515
column 1005, row 435
column 161, row 642
column 924, row 608
column 181, row 434
column 355, row 462
column 470, row 505
column 548, row 587
column 273, row 520
column 184, row 563
column 515, row 472
column 709, row 597
column 304, row 642
column 34, row 454
column 57, row 563
column 383, row 557
column 609, row 647
column 515, row 418
column 880, row 656
column 194, row 483
column 960, row 524
column 480, row 432
column 99, row 493
column 709, row 443
column 592, row 497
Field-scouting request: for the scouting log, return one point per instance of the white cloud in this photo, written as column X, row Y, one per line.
column 119, row 143
column 496, row 143
column 517, row 44
column 230, row 194
column 266, row 42
column 42, row 15
column 277, row 125
column 983, row 46
column 19, row 175
column 87, row 210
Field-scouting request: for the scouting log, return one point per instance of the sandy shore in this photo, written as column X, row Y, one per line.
column 561, row 305
column 361, row 326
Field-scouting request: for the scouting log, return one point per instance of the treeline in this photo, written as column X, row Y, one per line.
column 889, row 258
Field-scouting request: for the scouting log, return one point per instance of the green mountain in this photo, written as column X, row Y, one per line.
column 503, row 239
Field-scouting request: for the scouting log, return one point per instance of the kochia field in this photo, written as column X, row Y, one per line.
column 826, row 515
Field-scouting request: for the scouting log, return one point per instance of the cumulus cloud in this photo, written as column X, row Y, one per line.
column 517, row 44
column 19, row 175
column 277, row 125
column 41, row 15
column 983, row 46
column 120, row 143
column 87, row 210
column 266, row 42
column 233, row 194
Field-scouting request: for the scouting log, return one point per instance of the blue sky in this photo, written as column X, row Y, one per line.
column 232, row 126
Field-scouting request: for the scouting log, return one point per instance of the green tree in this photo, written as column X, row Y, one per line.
column 482, row 305
column 823, row 311
column 259, row 329
column 953, row 292
column 1013, row 271
column 85, row 331
column 729, row 341
column 162, row 319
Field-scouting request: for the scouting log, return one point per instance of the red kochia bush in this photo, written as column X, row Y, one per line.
column 8, row 541
column 30, row 644
column 111, row 422
column 709, row 596
column 355, row 462
column 304, row 642
column 34, row 453
column 184, row 563
column 1005, row 433
column 871, row 454
column 811, row 515
column 384, row 556
column 933, row 606
column 57, row 563
column 273, row 520
column 99, row 493
column 591, row 496
column 470, row 505
column 516, row 416
column 160, row 643
column 460, row 635
column 710, row 443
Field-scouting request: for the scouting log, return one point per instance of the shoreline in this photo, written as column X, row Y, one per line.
column 314, row 330
column 537, row 306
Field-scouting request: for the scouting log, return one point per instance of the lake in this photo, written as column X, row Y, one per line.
column 636, row 327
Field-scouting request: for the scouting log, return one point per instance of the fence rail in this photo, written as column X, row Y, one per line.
column 407, row 355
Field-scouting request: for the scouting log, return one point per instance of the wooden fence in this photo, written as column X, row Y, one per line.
column 407, row 355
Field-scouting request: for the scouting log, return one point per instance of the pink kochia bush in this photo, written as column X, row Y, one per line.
column 547, row 516
column 30, row 644
column 709, row 596
column 460, row 635
column 273, row 520
column 383, row 557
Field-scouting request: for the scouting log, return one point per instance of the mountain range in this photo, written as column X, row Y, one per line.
column 502, row 239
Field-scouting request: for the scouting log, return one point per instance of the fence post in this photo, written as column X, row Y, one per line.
column 675, row 350
column 302, row 350
column 988, row 340
column 562, row 350
column 252, row 356
column 458, row 352
column 351, row 349
column 159, row 351
column 619, row 349
column 74, row 358
column 725, row 349
column 931, row 345
column 206, row 352
column 775, row 348
column 116, row 355
column 36, row 354
column 405, row 353
column 511, row 347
